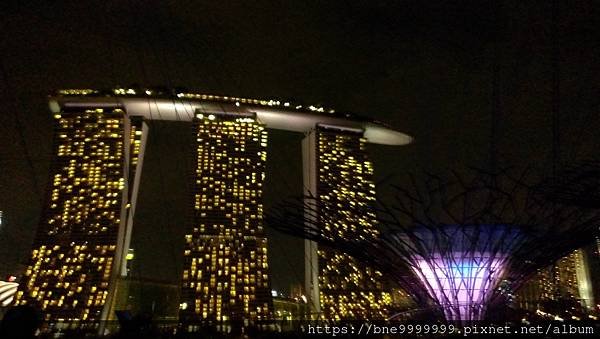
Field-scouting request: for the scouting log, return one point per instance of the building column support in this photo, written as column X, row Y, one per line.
column 311, row 259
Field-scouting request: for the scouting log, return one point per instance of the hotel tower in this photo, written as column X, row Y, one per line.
column 225, row 274
column 78, row 248
column 338, row 172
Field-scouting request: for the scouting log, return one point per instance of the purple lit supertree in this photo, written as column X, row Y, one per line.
column 460, row 266
column 461, row 243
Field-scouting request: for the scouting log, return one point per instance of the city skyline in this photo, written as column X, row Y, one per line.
column 486, row 85
column 336, row 168
column 395, row 62
column 100, row 144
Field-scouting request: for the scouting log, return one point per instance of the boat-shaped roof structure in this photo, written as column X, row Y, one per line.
column 182, row 106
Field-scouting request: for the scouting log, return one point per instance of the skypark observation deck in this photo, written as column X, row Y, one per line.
column 274, row 114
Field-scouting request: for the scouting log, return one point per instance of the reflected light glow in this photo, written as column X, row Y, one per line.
column 461, row 283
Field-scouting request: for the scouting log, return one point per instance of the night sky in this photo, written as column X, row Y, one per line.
column 425, row 67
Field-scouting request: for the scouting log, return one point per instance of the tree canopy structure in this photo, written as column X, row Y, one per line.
column 459, row 243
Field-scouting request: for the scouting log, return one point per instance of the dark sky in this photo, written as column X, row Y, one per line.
column 425, row 67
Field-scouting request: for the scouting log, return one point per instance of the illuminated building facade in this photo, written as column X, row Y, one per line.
column 537, row 289
column 78, row 248
column 573, row 278
column 568, row 280
column 81, row 247
column 338, row 171
column 225, row 274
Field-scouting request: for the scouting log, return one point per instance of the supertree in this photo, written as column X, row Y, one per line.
column 460, row 243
